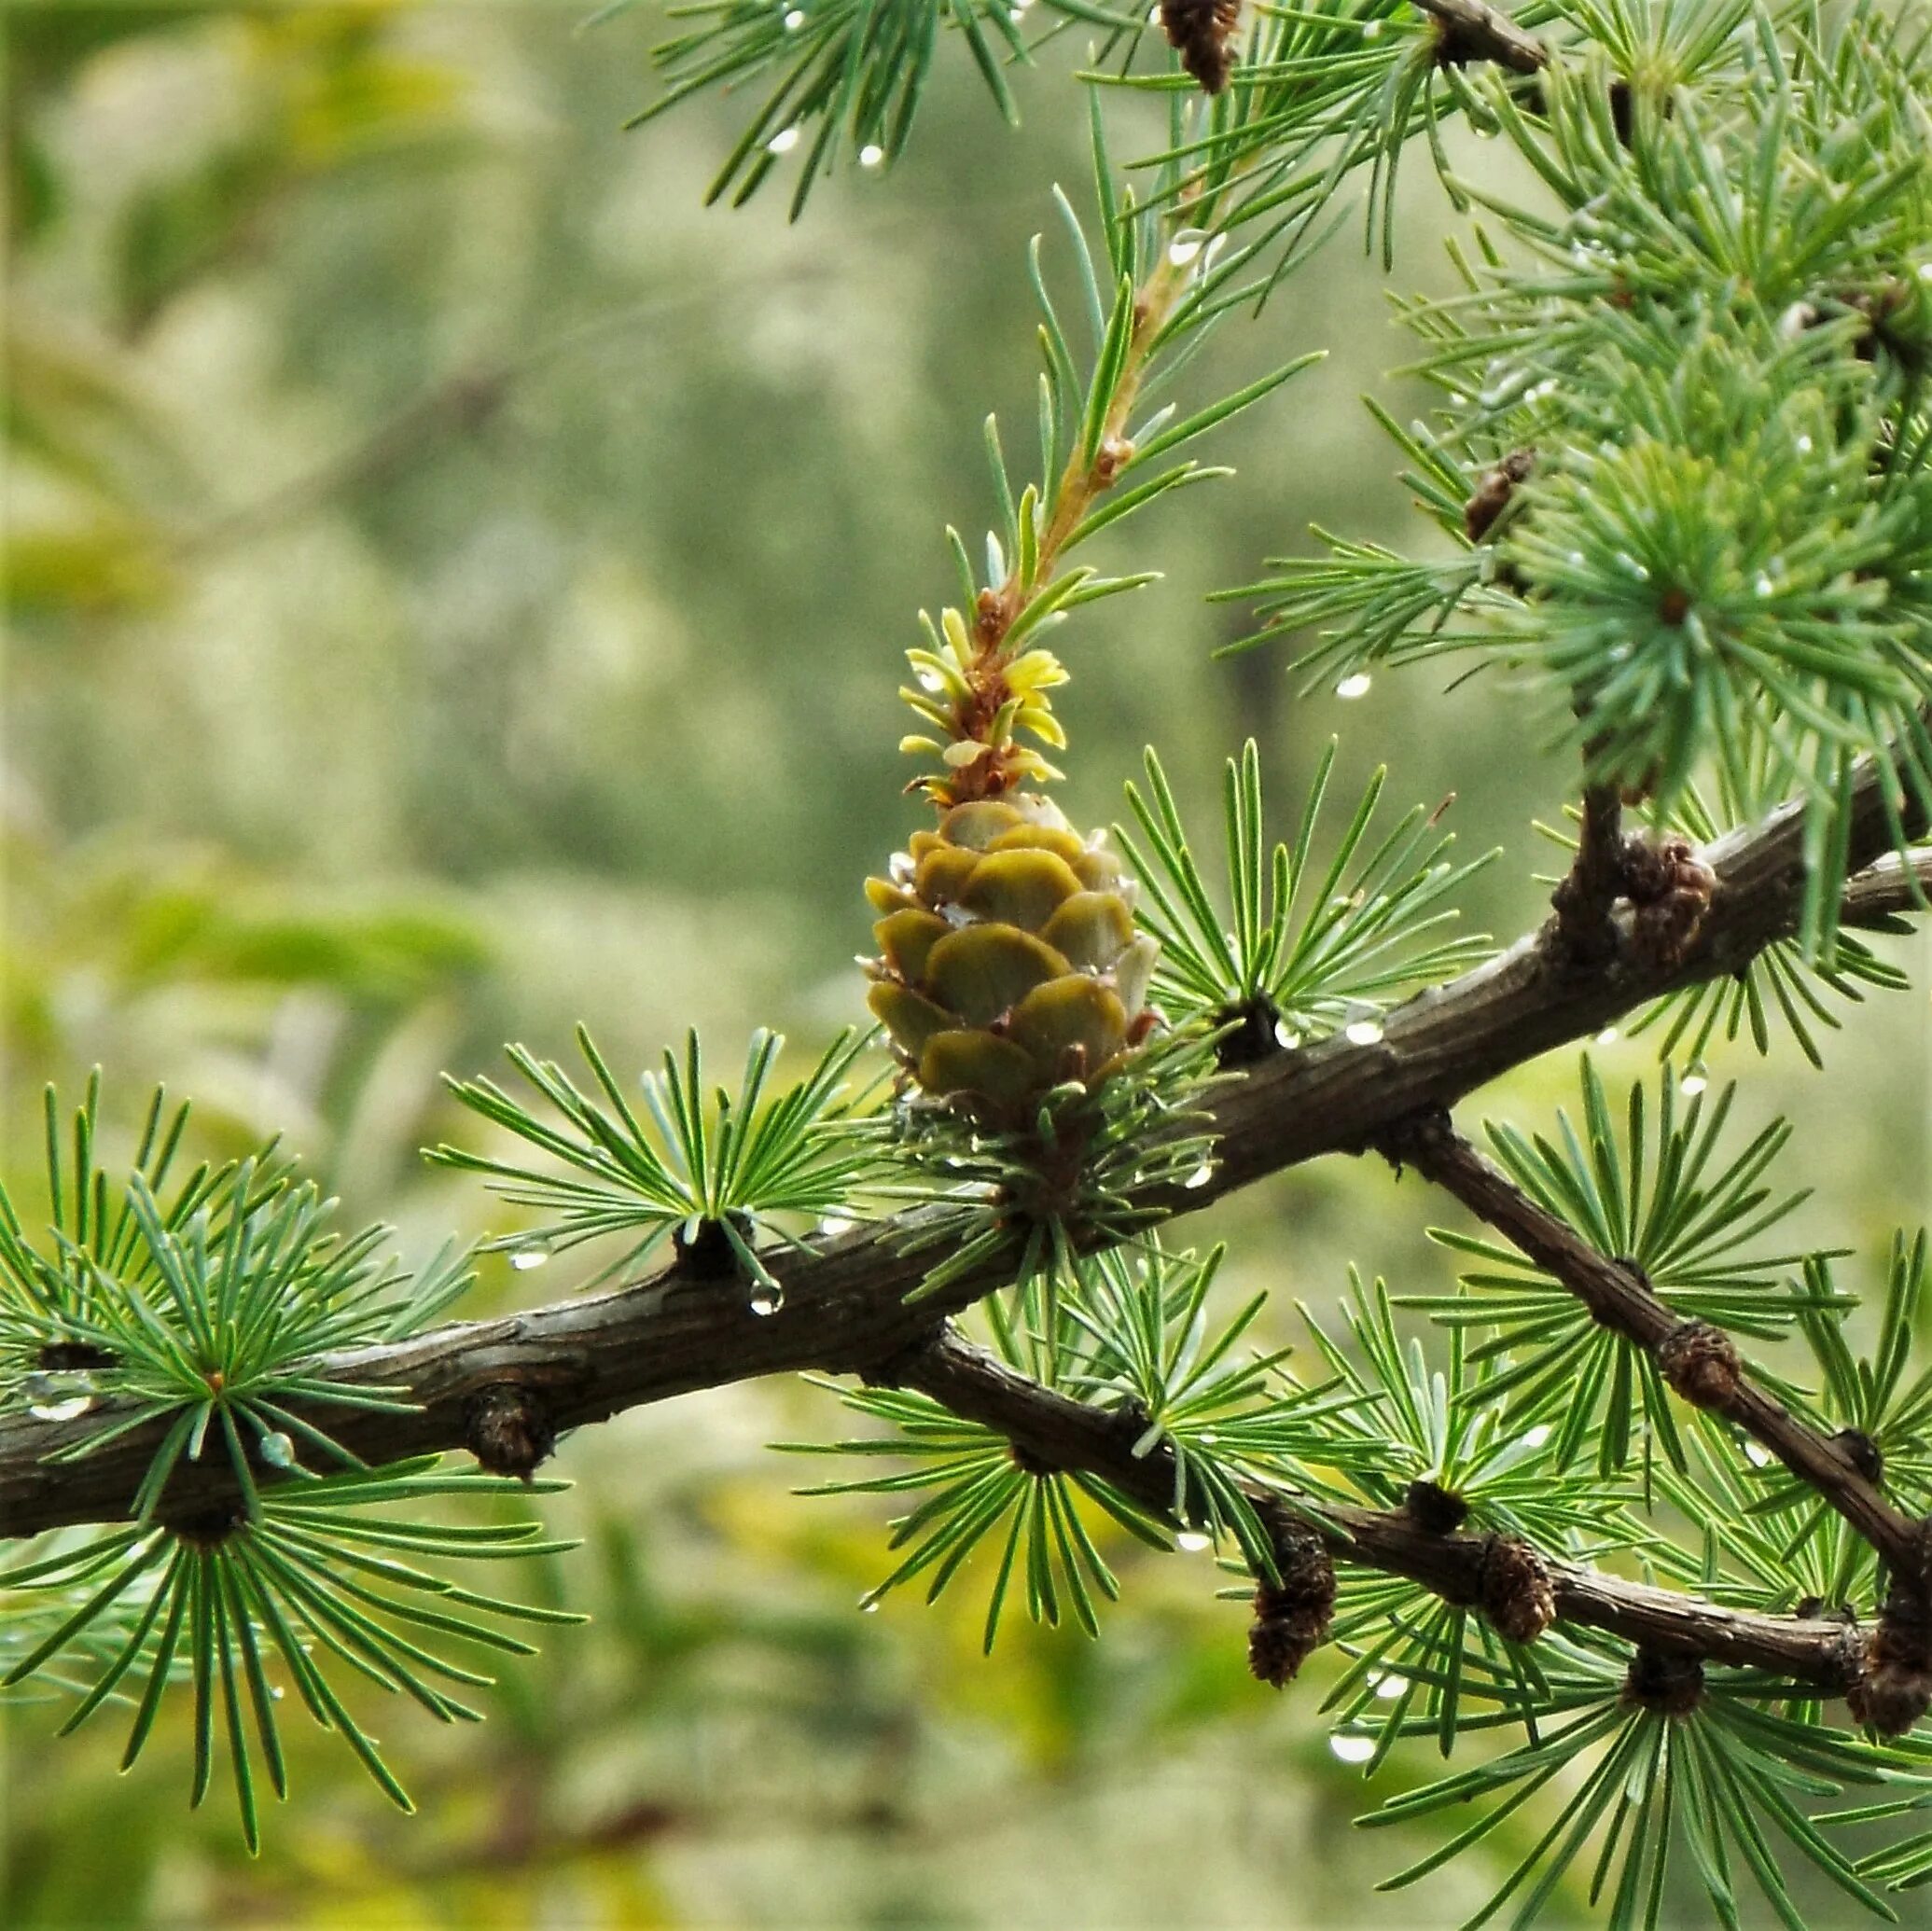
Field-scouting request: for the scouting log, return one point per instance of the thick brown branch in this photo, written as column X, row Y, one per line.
column 1067, row 1433
column 845, row 1306
column 1697, row 1360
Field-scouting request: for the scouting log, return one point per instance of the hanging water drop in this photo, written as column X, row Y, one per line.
column 1607, row 1037
column 868, row 1606
column 1192, row 1542
column 277, row 1449
column 1535, row 1438
column 783, row 141
column 1185, row 246
column 529, row 1254
column 1390, row 1685
column 871, row 154
column 1353, row 1749
column 1363, row 1032
column 1200, row 1176
column 1696, row 1078
column 1354, row 685
column 836, row 1223
column 1285, row 1035
column 794, row 19
column 767, row 1297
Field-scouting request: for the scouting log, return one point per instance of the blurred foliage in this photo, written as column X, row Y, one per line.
column 456, row 586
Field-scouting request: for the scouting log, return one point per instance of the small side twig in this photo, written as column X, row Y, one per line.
column 1700, row 1361
column 1585, row 931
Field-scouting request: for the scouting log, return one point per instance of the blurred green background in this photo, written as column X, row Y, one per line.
column 456, row 584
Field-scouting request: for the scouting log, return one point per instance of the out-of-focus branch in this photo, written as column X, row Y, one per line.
column 1467, row 31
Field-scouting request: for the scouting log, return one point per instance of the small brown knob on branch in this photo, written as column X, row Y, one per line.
column 1660, row 1680
column 1700, row 1362
column 1434, row 1509
column 1670, row 889
column 1895, row 1689
column 507, row 1431
column 1291, row 1613
column 1862, row 1452
column 1494, row 492
column 1201, row 31
column 1514, row 1590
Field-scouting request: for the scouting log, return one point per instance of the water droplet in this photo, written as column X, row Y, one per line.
column 1187, row 246
column 1353, row 1749
column 783, row 141
column 1200, row 1175
column 767, row 1297
column 1607, row 1037
column 1926, row 270
column 1372, row 29
column 1390, row 1685
column 1208, row 1438
column 836, row 1223
column 1804, row 442
column 58, row 1397
column 69, row 1410
column 1153, row 16
column 278, row 1450
column 871, row 154
column 868, row 1606
column 1363, row 1032
column 1764, row 586
column 529, row 1254
column 1696, row 1078
column 1535, row 1438
column 1758, row 1458
column 794, row 19
column 277, row 1693
column 1285, row 1035
column 1191, row 1541
column 1354, row 685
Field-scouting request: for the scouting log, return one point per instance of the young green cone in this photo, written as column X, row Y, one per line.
column 1009, row 963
